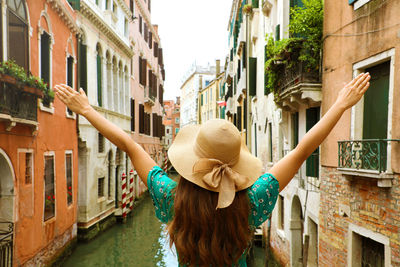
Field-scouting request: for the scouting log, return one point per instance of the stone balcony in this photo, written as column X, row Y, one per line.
column 299, row 86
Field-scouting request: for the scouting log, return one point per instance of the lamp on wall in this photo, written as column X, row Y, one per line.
column 266, row 8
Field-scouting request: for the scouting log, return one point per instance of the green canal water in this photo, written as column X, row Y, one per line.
column 141, row 242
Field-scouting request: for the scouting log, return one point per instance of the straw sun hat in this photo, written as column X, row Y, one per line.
column 213, row 157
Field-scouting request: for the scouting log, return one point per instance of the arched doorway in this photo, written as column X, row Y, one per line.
column 296, row 233
column 6, row 209
column 6, row 188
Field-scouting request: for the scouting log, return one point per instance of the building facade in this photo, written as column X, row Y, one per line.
column 196, row 78
column 105, row 56
column 147, row 84
column 209, row 97
column 359, row 191
column 38, row 136
column 171, row 120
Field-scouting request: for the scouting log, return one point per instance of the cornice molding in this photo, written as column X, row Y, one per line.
column 87, row 12
column 65, row 15
column 148, row 21
column 125, row 8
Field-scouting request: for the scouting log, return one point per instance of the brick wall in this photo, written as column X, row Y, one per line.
column 371, row 207
column 280, row 247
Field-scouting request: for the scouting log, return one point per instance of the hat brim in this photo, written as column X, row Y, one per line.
column 182, row 157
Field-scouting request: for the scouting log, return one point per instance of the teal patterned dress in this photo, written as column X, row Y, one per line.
column 262, row 194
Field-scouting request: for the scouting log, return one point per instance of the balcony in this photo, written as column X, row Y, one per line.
column 367, row 158
column 149, row 99
column 18, row 104
column 299, row 85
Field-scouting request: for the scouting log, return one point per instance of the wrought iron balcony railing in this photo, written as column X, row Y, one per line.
column 17, row 103
column 298, row 74
column 148, row 97
column 367, row 155
column 6, row 244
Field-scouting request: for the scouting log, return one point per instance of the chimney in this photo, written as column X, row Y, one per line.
column 217, row 67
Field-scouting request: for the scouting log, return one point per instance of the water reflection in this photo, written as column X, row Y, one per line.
column 140, row 242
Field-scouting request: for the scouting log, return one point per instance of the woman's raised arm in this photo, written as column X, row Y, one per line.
column 78, row 103
column 287, row 167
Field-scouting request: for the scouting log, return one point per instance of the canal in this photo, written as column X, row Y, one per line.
column 141, row 242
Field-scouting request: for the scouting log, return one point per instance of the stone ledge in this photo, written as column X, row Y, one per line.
column 384, row 179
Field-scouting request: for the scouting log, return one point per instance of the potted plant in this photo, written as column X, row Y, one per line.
column 248, row 9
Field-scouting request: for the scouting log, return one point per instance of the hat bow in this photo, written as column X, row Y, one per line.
column 221, row 177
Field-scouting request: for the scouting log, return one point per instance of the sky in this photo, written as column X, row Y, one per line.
column 190, row 31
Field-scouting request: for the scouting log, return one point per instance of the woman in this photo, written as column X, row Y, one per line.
column 221, row 197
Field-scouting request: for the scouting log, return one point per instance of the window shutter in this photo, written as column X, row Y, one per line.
column 82, row 66
column 146, row 33
column 76, row 4
column 141, row 118
column 131, row 6
column 244, row 57
column 312, row 162
column 150, row 40
column 252, row 76
column 255, row 3
column 99, row 82
column 45, row 57
column 140, row 24
column 155, row 51
column 239, row 118
column 132, row 114
column 277, row 32
column 352, row 2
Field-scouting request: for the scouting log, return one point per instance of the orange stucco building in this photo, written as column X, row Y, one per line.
column 360, row 159
column 38, row 142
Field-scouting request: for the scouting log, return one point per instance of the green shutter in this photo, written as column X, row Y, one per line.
column 201, row 102
column 352, row 2
column 312, row 163
column 295, row 125
column 252, row 76
column 45, row 57
column 277, row 32
column 82, row 66
column 255, row 3
column 76, row 4
column 376, row 102
column 99, row 82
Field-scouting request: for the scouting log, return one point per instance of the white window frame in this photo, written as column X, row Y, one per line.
column 50, row 153
column 41, row 30
column 359, row 3
column 70, row 152
column 357, row 110
column 353, row 245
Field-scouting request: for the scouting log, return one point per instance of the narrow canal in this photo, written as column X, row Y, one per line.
column 141, row 242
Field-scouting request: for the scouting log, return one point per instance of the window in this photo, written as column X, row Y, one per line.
column 176, row 120
column 101, row 143
column 70, row 70
column 295, row 129
column 17, row 30
column 150, row 40
column 277, row 32
column 99, row 77
column 239, row 118
column 142, row 71
column 132, row 6
column 28, row 168
column 140, row 24
column 45, row 57
column 68, row 176
column 49, row 193
column 141, row 118
column 149, row 5
column 132, row 115
column 176, row 131
column 312, row 162
column 146, row 33
column 114, row 7
column 358, row 3
column 109, row 174
column 167, row 130
column 83, row 66
column 126, row 27
column 100, row 187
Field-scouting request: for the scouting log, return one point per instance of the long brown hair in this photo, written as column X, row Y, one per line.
column 204, row 235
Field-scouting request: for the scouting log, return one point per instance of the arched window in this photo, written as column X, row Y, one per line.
column 17, row 30
column 99, row 76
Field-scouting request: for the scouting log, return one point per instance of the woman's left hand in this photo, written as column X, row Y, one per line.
column 76, row 101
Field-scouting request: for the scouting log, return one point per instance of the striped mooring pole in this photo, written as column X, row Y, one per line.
column 165, row 161
column 131, row 174
column 123, row 195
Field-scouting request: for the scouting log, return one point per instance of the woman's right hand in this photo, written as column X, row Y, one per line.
column 353, row 91
column 75, row 101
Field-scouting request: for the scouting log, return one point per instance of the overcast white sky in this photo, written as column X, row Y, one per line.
column 190, row 30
